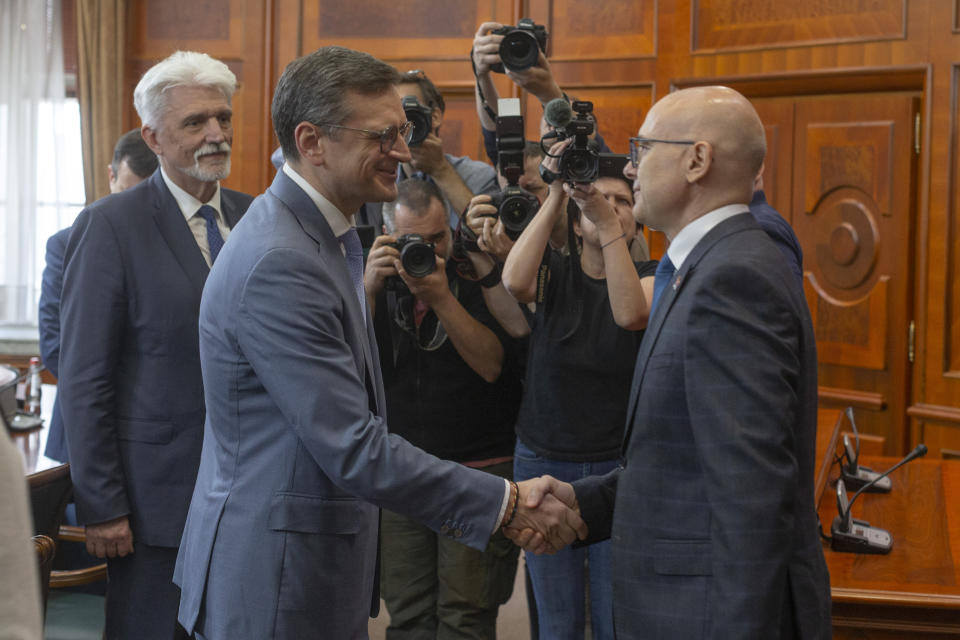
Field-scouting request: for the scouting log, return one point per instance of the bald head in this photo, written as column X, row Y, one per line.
column 718, row 168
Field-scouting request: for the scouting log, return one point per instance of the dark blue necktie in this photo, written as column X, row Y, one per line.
column 661, row 279
column 214, row 239
column 354, row 254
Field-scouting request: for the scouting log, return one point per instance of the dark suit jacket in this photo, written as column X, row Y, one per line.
column 49, row 321
column 130, row 385
column 712, row 516
column 779, row 231
column 281, row 540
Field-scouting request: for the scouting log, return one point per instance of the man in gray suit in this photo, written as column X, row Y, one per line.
column 131, row 391
column 712, row 514
column 281, row 537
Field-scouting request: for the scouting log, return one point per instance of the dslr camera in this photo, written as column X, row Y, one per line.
column 417, row 258
column 422, row 118
column 520, row 46
column 515, row 207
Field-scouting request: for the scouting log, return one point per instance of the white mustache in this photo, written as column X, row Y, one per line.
column 211, row 148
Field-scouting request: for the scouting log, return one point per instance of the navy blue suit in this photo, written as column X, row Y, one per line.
column 779, row 231
column 712, row 516
column 131, row 389
column 49, row 321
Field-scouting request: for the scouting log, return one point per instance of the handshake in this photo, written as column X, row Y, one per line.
column 547, row 516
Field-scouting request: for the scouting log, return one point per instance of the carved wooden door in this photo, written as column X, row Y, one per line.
column 854, row 168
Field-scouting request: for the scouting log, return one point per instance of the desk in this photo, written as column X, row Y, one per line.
column 914, row 592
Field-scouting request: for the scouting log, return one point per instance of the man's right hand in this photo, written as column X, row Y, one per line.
column 486, row 47
column 379, row 265
column 110, row 539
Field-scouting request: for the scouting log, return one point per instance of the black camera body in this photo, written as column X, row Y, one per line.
column 422, row 118
column 416, row 256
column 516, row 209
column 520, row 45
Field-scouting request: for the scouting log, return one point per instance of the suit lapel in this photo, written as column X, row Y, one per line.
column 313, row 223
column 669, row 296
column 230, row 210
column 176, row 233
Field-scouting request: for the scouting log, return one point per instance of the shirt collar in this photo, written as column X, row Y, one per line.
column 187, row 203
column 690, row 235
column 339, row 222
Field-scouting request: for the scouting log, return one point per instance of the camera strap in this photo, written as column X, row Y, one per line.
column 483, row 99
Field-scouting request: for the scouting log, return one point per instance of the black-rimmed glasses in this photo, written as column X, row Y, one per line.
column 388, row 137
column 639, row 145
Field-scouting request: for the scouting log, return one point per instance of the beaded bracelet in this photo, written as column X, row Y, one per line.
column 513, row 513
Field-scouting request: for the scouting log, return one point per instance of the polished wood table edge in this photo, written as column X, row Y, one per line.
column 898, row 598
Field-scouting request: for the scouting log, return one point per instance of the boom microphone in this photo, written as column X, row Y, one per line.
column 855, row 476
column 558, row 113
column 857, row 536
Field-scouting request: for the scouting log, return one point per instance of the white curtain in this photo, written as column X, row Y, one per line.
column 37, row 167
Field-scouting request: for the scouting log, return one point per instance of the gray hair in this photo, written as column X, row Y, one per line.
column 314, row 89
column 183, row 68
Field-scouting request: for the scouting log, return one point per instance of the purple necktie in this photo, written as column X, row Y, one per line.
column 214, row 239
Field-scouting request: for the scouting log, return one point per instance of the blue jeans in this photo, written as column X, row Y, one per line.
column 559, row 580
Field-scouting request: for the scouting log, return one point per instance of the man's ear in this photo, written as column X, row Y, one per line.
column 149, row 135
column 110, row 175
column 436, row 119
column 697, row 161
column 311, row 144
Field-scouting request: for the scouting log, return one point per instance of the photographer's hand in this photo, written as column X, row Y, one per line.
column 595, row 208
column 486, row 47
column 538, row 80
column 428, row 156
column 380, row 263
column 432, row 288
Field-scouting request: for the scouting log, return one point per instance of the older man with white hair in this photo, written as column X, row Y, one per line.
column 131, row 390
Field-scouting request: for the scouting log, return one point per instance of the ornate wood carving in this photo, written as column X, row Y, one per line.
column 417, row 30
column 612, row 30
column 753, row 24
column 188, row 20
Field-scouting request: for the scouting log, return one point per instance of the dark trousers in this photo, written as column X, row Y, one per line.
column 142, row 600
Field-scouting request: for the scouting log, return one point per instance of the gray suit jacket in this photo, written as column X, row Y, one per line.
column 281, row 539
column 130, row 388
column 712, row 516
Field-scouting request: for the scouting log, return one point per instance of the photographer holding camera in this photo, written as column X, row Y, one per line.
column 458, row 178
column 591, row 307
column 452, row 388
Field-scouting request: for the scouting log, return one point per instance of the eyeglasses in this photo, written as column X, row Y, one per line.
column 639, row 145
column 388, row 137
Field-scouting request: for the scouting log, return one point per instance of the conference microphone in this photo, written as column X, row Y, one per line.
column 558, row 113
column 857, row 536
column 854, row 476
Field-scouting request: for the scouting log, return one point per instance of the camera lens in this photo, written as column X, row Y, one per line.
column 421, row 127
column 579, row 165
column 519, row 50
column 516, row 211
column 418, row 259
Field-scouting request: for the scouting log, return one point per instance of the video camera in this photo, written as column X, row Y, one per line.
column 581, row 161
column 422, row 118
column 520, row 46
column 416, row 256
column 515, row 207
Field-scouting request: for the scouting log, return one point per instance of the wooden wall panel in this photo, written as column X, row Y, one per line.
column 229, row 30
column 734, row 24
column 611, row 30
column 624, row 54
column 951, row 240
column 421, row 29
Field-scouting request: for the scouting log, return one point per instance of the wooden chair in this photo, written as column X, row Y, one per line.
column 74, row 614
column 46, row 549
